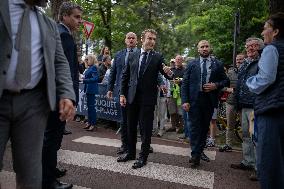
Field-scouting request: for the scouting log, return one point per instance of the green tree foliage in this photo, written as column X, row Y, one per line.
column 180, row 23
column 214, row 21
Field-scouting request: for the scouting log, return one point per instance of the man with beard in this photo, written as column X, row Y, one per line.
column 204, row 77
column 30, row 81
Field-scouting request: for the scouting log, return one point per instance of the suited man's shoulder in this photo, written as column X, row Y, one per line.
column 119, row 53
column 49, row 22
column 193, row 62
column 217, row 61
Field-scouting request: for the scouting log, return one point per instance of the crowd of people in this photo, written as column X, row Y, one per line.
column 39, row 89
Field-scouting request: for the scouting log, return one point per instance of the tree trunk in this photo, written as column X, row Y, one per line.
column 55, row 5
column 105, row 12
column 276, row 6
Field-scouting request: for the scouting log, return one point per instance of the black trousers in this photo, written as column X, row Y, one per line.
column 123, row 127
column 51, row 144
column 200, row 115
column 142, row 115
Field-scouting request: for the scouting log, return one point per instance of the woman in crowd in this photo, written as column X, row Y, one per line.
column 90, row 80
column 268, row 84
column 104, row 52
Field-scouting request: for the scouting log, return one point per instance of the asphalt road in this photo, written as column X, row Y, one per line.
column 90, row 158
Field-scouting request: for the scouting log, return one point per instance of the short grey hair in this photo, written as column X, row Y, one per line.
column 66, row 9
column 259, row 41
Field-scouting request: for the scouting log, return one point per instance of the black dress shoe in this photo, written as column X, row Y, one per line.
column 195, row 165
column 139, row 163
column 125, row 158
column 242, row 167
column 60, row 173
column 195, row 162
column 151, row 150
column 65, row 132
column 121, row 150
column 58, row 185
column 204, row 157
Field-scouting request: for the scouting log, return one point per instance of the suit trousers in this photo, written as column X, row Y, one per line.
column 91, row 104
column 23, row 119
column 53, row 136
column 143, row 115
column 199, row 116
column 123, row 127
column 270, row 149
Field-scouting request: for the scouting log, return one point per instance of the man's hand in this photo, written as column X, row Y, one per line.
column 164, row 89
column 66, row 109
column 186, row 106
column 109, row 95
column 209, row 87
column 167, row 70
column 122, row 101
column 230, row 90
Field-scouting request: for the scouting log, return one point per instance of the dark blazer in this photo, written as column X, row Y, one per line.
column 149, row 81
column 91, row 80
column 191, row 81
column 70, row 51
column 116, row 70
column 55, row 62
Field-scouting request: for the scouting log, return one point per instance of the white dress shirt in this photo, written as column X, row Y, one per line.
column 16, row 11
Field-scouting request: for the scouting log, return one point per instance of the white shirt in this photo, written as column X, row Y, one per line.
column 208, row 67
column 16, row 12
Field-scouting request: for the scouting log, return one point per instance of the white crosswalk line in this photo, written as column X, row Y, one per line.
column 169, row 173
column 157, row 147
column 7, row 181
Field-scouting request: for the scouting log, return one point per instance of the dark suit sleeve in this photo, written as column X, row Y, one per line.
column 70, row 52
column 223, row 79
column 112, row 75
column 125, row 78
column 185, row 84
column 63, row 79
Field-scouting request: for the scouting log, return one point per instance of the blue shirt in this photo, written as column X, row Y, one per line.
column 266, row 75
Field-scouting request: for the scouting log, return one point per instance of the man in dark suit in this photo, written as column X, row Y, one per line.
column 139, row 92
column 25, row 106
column 70, row 16
column 204, row 77
column 115, row 80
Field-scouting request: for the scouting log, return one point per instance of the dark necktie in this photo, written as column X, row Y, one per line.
column 204, row 72
column 127, row 54
column 23, row 46
column 142, row 64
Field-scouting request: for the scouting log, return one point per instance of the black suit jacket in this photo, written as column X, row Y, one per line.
column 148, row 82
column 70, row 51
column 116, row 70
column 191, row 81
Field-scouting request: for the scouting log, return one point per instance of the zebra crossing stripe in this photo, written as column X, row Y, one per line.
column 172, row 150
column 8, row 181
column 162, row 172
